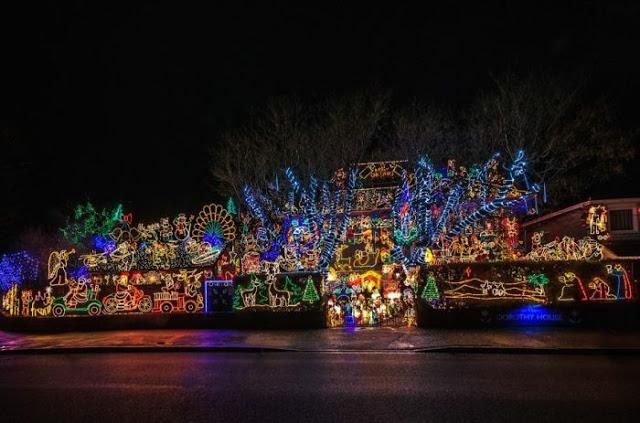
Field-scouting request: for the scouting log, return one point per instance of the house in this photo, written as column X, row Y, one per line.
column 615, row 223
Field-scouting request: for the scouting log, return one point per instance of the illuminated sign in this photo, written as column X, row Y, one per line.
column 533, row 314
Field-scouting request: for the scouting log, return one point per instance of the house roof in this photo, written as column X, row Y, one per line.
column 587, row 203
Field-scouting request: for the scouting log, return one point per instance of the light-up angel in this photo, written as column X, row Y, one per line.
column 57, row 267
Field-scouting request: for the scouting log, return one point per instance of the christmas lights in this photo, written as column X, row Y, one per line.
column 251, row 201
column 275, row 291
column 87, row 221
column 443, row 214
column 597, row 217
column 430, row 291
column 546, row 282
column 567, row 248
column 214, row 220
column 302, row 233
column 369, row 243
column 11, row 300
column 486, row 290
column 164, row 246
column 16, row 268
column 57, row 267
column 569, row 280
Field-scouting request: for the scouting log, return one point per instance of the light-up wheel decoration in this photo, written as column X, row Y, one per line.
column 214, row 225
column 213, row 229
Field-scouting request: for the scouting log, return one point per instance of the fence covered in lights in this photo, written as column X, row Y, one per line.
column 363, row 247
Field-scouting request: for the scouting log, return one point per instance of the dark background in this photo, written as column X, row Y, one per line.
column 120, row 104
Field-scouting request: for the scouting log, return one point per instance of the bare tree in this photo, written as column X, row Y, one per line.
column 419, row 130
column 15, row 164
column 250, row 155
column 314, row 139
column 349, row 127
column 570, row 141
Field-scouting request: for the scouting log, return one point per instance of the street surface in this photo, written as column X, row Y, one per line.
column 354, row 339
column 303, row 387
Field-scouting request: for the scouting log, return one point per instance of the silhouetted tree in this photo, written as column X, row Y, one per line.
column 14, row 164
column 571, row 140
column 313, row 139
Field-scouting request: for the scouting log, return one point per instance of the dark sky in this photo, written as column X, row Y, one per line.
column 120, row 104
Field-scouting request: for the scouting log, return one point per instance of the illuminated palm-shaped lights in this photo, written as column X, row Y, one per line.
column 320, row 210
column 434, row 208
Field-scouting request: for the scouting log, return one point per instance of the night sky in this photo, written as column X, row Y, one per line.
column 120, row 104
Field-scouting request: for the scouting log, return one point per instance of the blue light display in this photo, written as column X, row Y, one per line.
column 80, row 272
column 104, row 244
column 530, row 314
column 17, row 268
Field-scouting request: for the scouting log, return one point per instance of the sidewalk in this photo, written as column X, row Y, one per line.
column 360, row 339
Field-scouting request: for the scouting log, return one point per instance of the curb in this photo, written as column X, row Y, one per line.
column 130, row 349
column 532, row 350
column 215, row 349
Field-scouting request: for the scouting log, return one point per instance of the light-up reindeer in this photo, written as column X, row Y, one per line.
column 249, row 295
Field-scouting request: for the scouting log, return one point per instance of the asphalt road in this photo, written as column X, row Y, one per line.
column 290, row 386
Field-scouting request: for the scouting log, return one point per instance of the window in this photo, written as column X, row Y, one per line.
column 621, row 220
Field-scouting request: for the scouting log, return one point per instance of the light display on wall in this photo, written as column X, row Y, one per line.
column 570, row 281
column 176, row 290
column 158, row 267
column 214, row 224
column 278, row 292
column 620, row 280
column 490, row 290
column 178, row 243
column 380, row 171
column 567, row 248
column 81, row 298
column 366, row 245
column 372, row 199
column 548, row 282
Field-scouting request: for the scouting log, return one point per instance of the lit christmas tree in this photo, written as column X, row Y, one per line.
column 237, row 298
column 430, row 291
column 231, row 207
column 295, row 290
column 310, row 294
column 263, row 291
